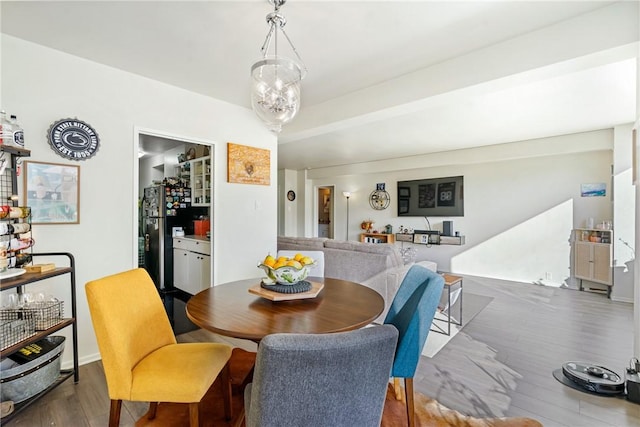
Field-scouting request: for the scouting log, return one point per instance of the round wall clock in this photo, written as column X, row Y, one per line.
column 379, row 200
column 291, row 195
column 73, row 139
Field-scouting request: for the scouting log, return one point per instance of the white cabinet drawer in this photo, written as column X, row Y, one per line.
column 192, row 245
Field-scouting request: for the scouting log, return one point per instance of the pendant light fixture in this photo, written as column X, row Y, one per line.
column 275, row 79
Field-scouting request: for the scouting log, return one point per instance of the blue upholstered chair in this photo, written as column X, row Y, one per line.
column 319, row 380
column 412, row 312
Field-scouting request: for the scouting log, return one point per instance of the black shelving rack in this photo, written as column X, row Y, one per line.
column 10, row 161
column 10, row 158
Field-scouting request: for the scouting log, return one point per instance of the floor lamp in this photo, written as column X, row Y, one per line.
column 347, row 195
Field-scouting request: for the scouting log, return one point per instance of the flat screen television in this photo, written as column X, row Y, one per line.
column 431, row 197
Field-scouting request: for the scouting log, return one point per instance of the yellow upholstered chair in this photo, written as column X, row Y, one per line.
column 141, row 359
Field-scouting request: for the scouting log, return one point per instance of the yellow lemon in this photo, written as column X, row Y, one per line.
column 269, row 260
column 282, row 259
column 278, row 264
column 306, row 260
column 294, row 263
column 298, row 256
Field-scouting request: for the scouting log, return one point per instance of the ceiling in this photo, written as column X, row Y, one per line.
column 386, row 79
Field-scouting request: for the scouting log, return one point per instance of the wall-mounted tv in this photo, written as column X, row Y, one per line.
column 431, row 197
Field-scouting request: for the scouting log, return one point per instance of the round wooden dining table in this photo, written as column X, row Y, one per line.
column 231, row 310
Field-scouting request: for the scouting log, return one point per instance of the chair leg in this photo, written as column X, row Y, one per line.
column 240, row 421
column 193, row 415
column 396, row 388
column 114, row 413
column 153, row 408
column 225, row 379
column 411, row 413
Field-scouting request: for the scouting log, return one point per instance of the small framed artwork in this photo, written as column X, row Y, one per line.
column 52, row 191
column 404, row 192
column 593, row 190
column 380, row 186
column 248, row 165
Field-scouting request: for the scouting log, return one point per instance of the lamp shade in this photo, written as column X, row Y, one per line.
column 275, row 90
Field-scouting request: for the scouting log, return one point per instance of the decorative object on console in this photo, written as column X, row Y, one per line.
column 275, row 86
column 73, row 139
column 52, row 192
column 367, row 225
column 248, row 165
column 447, row 228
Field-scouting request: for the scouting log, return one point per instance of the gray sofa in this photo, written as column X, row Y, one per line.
column 378, row 266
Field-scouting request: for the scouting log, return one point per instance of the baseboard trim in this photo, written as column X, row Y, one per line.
column 621, row 299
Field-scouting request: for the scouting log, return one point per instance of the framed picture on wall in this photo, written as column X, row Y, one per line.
column 248, row 165
column 52, row 190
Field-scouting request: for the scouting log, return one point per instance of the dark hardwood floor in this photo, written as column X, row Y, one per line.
column 500, row 364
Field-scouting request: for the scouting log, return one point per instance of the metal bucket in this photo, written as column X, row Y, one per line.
column 25, row 380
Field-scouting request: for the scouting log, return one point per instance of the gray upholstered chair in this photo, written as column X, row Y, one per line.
column 321, row 380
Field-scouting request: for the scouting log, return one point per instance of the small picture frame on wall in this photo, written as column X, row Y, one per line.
column 52, row 192
column 598, row 189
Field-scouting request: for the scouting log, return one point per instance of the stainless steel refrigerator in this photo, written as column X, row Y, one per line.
column 163, row 208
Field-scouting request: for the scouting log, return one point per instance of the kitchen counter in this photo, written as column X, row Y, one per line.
column 194, row 237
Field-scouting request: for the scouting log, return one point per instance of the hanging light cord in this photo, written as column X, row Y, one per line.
column 277, row 21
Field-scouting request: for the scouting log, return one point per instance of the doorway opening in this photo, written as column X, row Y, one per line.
column 325, row 212
column 174, row 191
column 174, row 194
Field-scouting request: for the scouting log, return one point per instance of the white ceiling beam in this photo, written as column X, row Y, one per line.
column 606, row 35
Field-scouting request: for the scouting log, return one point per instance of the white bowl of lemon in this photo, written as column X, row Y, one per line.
column 287, row 270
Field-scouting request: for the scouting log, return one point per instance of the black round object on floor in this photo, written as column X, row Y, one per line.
column 591, row 378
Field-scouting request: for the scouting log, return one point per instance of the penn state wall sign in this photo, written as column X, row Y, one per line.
column 73, row 139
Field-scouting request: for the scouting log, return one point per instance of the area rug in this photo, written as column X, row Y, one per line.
column 472, row 305
column 429, row 413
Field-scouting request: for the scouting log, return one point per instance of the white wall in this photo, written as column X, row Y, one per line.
column 624, row 224
column 150, row 168
column 42, row 85
column 521, row 202
column 288, row 210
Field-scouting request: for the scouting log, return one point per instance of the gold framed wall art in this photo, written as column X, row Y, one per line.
column 248, row 165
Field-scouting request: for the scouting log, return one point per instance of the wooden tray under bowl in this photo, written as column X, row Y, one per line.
column 278, row 296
